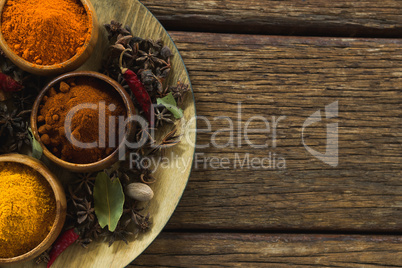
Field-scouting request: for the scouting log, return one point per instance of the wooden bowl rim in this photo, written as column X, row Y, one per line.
column 60, row 199
column 110, row 159
column 58, row 66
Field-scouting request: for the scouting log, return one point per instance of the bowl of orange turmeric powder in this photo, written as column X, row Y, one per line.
column 32, row 208
column 81, row 120
column 48, row 37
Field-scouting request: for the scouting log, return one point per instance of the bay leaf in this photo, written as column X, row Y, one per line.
column 109, row 200
column 36, row 148
column 170, row 103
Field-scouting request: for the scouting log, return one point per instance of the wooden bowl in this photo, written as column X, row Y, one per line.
column 61, row 206
column 69, row 65
column 90, row 167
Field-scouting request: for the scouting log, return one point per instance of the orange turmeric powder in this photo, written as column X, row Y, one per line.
column 45, row 32
column 27, row 209
column 85, row 123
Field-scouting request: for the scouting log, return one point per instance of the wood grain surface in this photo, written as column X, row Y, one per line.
column 295, row 77
column 288, row 17
column 271, row 250
column 228, row 212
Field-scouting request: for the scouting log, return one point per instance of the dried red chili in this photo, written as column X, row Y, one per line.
column 8, row 84
column 62, row 243
column 138, row 89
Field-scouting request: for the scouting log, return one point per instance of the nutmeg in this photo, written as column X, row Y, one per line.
column 139, row 191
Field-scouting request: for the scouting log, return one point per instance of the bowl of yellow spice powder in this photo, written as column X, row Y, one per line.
column 80, row 120
column 47, row 37
column 32, row 208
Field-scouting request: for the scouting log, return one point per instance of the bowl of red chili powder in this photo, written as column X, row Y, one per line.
column 79, row 119
column 47, row 37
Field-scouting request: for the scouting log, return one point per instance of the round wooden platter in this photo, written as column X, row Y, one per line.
column 171, row 180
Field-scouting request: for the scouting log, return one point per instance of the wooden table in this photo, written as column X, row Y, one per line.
column 288, row 59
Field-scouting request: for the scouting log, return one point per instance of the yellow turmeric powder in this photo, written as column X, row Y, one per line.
column 27, row 209
column 45, row 32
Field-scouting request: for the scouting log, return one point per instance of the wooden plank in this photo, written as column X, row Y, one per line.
column 271, row 250
column 295, row 77
column 288, row 17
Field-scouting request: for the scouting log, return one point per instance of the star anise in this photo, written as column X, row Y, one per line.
column 115, row 28
column 162, row 116
column 148, row 59
column 155, row 44
column 120, row 233
column 11, row 121
column 180, row 91
column 73, row 197
column 22, row 101
column 168, row 141
column 86, row 181
column 85, row 212
column 130, row 52
column 94, row 231
column 143, row 223
column 144, row 135
column 163, row 92
column 20, row 138
column 130, row 208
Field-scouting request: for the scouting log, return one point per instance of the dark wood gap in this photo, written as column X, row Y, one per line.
column 287, row 231
column 310, row 30
column 271, row 250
